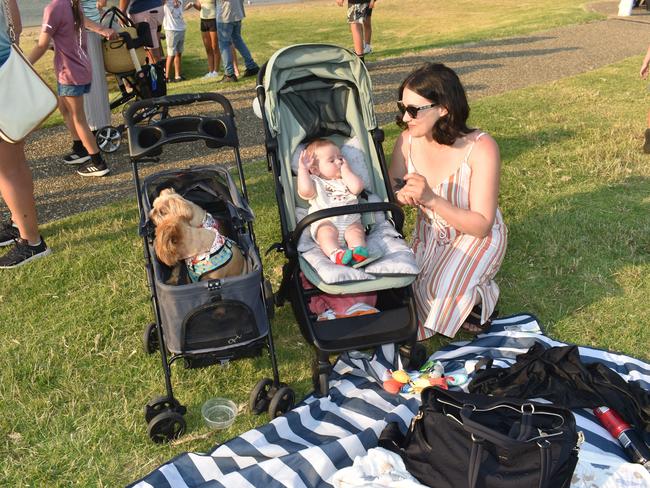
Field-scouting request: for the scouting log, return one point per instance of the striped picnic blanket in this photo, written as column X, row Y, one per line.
column 320, row 436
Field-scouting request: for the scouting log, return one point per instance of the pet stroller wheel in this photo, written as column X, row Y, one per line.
column 260, row 396
column 150, row 338
column 161, row 404
column 166, row 426
column 270, row 299
column 281, row 402
column 108, row 139
column 413, row 357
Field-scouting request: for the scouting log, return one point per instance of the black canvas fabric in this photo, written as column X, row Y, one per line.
column 559, row 375
column 464, row 440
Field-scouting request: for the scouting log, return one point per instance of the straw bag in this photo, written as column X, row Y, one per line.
column 26, row 99
column 116, row 52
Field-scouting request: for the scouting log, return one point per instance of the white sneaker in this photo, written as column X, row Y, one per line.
column 209, row 74
column 215, row 74
column 367, row 48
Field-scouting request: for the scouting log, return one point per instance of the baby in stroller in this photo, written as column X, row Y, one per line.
column 326, row 180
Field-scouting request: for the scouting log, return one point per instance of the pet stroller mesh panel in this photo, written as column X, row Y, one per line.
column 184, row 310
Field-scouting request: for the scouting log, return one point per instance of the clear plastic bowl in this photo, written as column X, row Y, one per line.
column 219, row 413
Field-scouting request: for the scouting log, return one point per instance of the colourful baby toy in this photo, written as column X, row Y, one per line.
column 432, row 373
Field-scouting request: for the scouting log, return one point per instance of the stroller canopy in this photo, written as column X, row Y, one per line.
column 306, row 67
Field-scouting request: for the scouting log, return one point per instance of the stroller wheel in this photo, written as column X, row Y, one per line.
column 166, row 426
column 260, row 396
column 161, row 404
column 108, row 139
column 281, row 402
column 150, row 338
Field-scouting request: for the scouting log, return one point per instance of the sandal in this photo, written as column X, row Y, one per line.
column 473, row 325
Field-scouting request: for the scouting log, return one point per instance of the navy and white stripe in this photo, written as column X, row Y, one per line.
column 322, row 435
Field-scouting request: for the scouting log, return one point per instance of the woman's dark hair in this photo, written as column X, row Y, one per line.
column 441, row 85
column 76, row 13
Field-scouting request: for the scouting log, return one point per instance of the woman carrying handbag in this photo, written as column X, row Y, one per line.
column 16, row 184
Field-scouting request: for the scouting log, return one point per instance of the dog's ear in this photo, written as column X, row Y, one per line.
column 168, row 241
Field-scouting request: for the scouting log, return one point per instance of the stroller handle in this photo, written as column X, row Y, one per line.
column 396, row 210
column 176, row 101
column 147, row 140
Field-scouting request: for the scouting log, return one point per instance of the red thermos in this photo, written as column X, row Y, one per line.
column 633, row 445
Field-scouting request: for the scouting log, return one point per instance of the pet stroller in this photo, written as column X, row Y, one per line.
column 125, row 58
column 210, row 321
column 318, row 90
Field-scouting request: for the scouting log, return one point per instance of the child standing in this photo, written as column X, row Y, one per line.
column 174, row 26
column 326, row 180
column 63, row 23
column 359, row 14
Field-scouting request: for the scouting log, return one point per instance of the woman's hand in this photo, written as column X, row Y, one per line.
column 416, row 191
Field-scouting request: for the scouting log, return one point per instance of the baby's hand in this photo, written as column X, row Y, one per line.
column 305, row 160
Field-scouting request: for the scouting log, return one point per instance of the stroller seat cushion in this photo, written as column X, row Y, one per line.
column 397, row 258
column 353, row 153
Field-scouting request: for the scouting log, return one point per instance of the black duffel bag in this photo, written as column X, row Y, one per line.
column 462, row 440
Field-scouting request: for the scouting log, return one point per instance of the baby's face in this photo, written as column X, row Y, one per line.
column 329, row 161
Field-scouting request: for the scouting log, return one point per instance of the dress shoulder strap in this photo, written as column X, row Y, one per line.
column 410, row 167
column 469, row 151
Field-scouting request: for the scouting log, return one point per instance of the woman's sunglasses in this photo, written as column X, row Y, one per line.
column 412, row 110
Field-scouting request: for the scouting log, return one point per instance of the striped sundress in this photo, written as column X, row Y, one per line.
column 457, row 269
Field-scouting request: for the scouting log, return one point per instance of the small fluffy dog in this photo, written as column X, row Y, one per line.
column 168, row 202
column 186, row 232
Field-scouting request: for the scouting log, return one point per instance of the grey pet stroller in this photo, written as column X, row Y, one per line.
column 214, row 320
column 309, row 91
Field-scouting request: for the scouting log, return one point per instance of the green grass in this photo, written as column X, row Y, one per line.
column 74, row 379
column 439, row 23
column 73, row 374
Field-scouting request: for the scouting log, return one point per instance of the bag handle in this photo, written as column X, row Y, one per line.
column 10, row 22
column 477, row 453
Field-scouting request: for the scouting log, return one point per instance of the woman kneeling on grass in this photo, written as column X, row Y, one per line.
column 451, row 174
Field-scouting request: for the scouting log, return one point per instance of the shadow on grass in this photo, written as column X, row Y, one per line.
column 571, row 252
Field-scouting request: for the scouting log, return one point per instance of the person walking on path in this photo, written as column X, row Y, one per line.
column 16, row 183
column 96, row 103
column 359, row 13
column 174, row 25
column 644, row 75
column 63, row 23
column 450, row 173
column 230, row 14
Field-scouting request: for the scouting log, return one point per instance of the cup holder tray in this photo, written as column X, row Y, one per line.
column 147, row 140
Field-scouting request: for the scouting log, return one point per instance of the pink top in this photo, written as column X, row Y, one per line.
column 71, row 62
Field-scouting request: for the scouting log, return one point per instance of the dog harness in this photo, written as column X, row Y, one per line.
column 219, row 255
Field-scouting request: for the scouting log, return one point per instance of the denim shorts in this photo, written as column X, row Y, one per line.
column 72, row 90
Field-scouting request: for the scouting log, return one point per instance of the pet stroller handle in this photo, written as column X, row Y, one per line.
column 396, row 211
column 147, row 140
